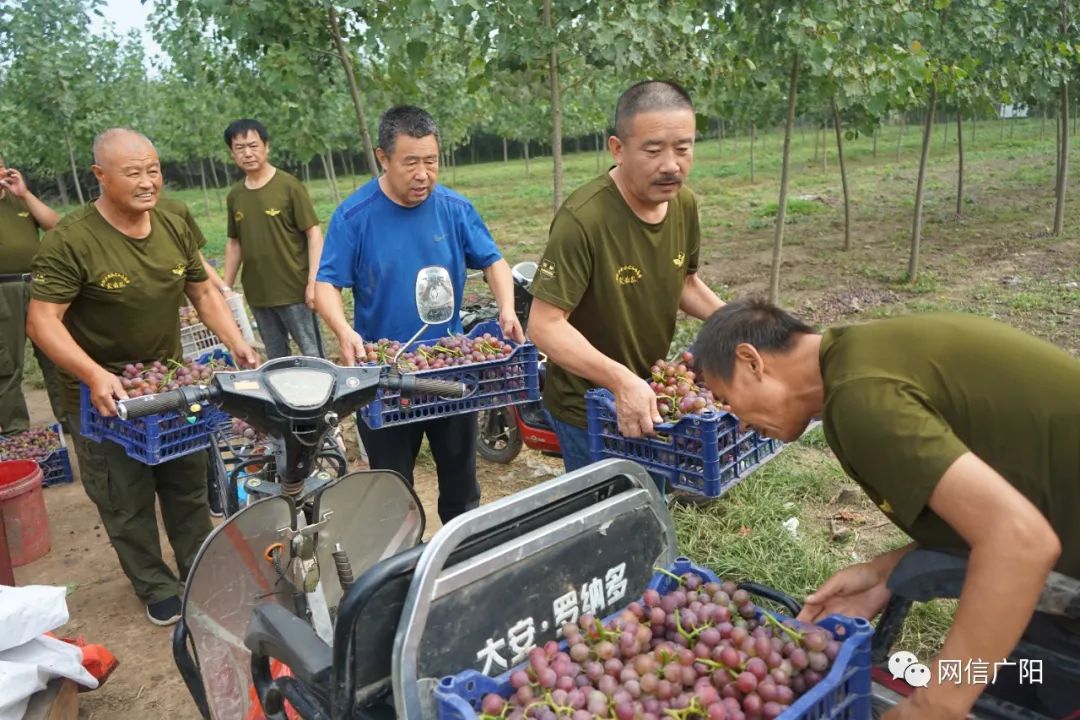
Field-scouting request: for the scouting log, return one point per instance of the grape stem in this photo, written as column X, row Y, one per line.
column 791, row 632
column 671, row 575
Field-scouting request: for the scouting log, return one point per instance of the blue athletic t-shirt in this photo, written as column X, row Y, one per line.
column 376, row 247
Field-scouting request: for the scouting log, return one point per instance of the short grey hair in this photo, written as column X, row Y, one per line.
column 106, row 136
column 405, row 120
column 648, row 96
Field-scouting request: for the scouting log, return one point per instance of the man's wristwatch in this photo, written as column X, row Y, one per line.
column 225, row 289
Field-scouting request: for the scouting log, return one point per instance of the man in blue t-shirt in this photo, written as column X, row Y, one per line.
column 378, row 242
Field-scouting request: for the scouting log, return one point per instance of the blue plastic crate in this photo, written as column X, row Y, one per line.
column 56, row 466
column 492, row 384
column 843, row 694
column 153, row 439
column 703, row 454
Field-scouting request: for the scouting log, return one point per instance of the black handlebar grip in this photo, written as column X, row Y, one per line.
column 444, row 388
column 181, row 400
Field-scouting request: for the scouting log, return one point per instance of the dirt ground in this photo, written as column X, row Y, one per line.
column 104, row 609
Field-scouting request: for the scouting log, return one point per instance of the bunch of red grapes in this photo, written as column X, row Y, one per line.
column 449, row 351
column 702, row 651
column 148, row 378
column 678, row 390
column 33, row 444
column 241, row 429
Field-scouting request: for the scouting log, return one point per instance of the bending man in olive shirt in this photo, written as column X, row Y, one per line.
column 107, row 282
column 274, row 233
column 964, row 431
column 22, row 215
column 621, row 261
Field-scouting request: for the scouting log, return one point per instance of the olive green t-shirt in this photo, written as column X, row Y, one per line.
column 18, row 235
column 905, row 397
column 177, row 207
column 123, row 292
column 619, row 277
column 270, row 224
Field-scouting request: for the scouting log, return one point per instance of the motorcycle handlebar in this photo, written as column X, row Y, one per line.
column 181, row 399
column 410, row 384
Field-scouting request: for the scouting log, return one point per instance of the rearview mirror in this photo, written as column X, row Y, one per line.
column 434, row 295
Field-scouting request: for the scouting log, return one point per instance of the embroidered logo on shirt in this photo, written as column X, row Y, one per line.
column 24, row 214
column 627, row 275
column 272, row 212
column 886, row 507
column 179, row 270
column 547, row 268
column 238, row 216
column 114, row 281
column 679, row 259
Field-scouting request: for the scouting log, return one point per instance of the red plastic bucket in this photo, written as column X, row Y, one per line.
column 22, row 503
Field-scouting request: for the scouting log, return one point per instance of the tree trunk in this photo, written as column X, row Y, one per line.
column 556, row 118
column 1001, row 123
column 900, row 136
column 74, row 169
column 1063, row 162
column 205, row 193
column 916, row 226
column 352, row 168
column 843, row 175
column 62, row 188
column 526, row 143
column 333, row 174
column 753, row 134
column 217, row 184
column 506, row 155
column 307, row 172
column 330, row 179
column 824, row 151
column 1012, row 128
column 959, row 166
column 781, row 210
column 875, row 143
column 945, row 131
column 354, row 92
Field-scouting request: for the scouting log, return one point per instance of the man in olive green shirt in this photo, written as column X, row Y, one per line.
column 621, row 261
column 274, row 233
column 107, row 282
column 22, row 215
column 963, row 430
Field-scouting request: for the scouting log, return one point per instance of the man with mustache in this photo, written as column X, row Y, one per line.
column 107, row 282
column 621, row 261
column 274, row 234
column 400, row 235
